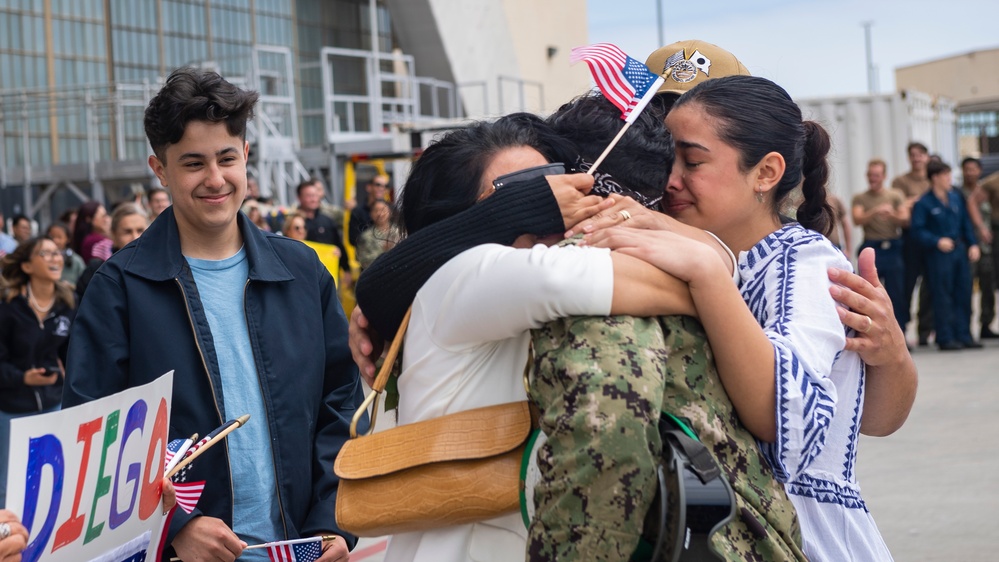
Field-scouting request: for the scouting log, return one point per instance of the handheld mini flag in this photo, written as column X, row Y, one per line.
column 188, row 493
column 624, row 81
column 175, row 451
column 302, row 550
column 209, row 440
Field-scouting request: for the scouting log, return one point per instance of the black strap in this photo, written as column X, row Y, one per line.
column 701, row 462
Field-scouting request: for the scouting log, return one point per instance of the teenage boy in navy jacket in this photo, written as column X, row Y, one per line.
column 249, row 322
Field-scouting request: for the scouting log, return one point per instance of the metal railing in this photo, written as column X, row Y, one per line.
column 102, row 124
column 521, row 87
column 380, row 98
column 88, row 137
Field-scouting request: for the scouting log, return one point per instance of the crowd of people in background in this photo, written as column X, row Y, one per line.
column 925, row 227
column 884, row 212
column 85, row 235
column 364, row 223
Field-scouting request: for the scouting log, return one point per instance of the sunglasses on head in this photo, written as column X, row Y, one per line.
column 553, row 169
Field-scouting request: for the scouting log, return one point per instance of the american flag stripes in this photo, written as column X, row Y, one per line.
column 624, row 81
column 674, row 59
column 302, row 550
column 188, row 493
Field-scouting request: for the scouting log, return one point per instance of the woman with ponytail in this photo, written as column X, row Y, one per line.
column 778, row 339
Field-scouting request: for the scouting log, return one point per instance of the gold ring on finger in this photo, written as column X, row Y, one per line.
column 625, row 215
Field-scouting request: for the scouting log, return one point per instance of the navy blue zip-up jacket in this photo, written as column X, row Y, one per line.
column 932, row 220
column 142, row 317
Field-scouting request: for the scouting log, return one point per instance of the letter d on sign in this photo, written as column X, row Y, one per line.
column 44, row 450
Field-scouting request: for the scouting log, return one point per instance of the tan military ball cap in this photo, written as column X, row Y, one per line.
column 685, row 64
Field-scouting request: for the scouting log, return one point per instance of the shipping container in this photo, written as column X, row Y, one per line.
column 880, row 126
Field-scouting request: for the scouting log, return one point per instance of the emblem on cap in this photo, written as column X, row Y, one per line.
column 701, row 62
column 683, row 70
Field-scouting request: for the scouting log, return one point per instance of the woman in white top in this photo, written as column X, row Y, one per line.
column 742, row 148
column 467, row 342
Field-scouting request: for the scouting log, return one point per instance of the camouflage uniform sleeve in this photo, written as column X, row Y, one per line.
column 368, row 248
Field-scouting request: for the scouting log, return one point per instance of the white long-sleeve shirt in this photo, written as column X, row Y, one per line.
column 466, row 347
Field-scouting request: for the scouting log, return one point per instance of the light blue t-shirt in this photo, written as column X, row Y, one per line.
column 221, row 285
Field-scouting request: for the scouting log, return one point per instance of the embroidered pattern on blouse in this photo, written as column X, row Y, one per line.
column 826, row 492
column 773, row 261
column 851, row 446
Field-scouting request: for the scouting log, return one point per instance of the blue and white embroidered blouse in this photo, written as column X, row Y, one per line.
column 820, row 392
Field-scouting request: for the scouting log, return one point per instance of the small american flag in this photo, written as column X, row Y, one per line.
column 188, row 493
column 198, row 445
column 624, row 81
column 307, row 550
column 172, row 449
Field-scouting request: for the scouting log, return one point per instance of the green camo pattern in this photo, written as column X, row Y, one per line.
column 600, row 384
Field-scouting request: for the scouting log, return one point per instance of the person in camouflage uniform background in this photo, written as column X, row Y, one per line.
column 600, row 384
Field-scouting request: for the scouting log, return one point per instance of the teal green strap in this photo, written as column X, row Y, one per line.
column 683, row 427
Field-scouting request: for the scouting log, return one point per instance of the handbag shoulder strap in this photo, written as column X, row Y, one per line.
column 381, row 378
column 383, row 374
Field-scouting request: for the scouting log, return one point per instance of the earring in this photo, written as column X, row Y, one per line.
column 759, row 193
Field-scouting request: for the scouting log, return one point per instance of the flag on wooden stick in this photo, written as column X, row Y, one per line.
column 188, row 493
column 624, row 81
column 301, row 550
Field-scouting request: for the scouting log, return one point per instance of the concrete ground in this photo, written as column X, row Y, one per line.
column 933, row 486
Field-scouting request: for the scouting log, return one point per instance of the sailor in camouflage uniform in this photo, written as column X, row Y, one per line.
column 600, row 384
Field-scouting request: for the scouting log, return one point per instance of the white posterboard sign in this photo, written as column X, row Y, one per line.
column 86, row 481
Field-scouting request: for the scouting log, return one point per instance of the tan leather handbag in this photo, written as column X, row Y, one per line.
column 456, row 469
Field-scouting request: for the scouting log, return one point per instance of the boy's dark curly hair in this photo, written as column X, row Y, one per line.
column 191, row 94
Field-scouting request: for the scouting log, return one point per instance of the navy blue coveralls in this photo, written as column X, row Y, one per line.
column 948, row 273
column 890, row 263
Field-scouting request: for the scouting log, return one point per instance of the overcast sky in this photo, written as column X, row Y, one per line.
column 813, row 48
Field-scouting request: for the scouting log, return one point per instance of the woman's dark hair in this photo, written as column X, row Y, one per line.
column 446, row 178
column 387, row 205
column 84, row 224
column 61, row 226
column 758, row 117
column 935, row 168
column 68, row 215
column 664, row 102
column 13, row 278
column 191, row 94
column 642, row 160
